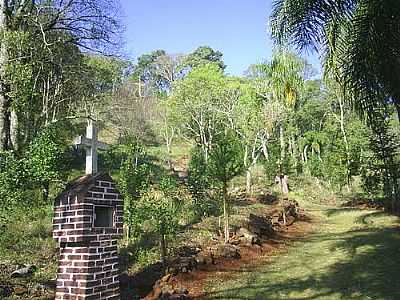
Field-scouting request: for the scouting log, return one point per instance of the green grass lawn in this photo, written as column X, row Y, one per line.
column 352, row 254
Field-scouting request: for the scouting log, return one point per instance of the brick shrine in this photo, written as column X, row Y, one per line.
column 88, row 221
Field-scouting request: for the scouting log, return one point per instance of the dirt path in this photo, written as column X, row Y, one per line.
column 352, row 254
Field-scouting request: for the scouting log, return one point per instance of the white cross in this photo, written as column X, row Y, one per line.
column 91, row 145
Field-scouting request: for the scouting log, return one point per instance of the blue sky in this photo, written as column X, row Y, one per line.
column 237, row 28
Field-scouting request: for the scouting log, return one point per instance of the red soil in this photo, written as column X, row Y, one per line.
column 251, row 256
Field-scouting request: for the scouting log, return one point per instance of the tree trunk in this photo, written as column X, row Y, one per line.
column 248, row 180
column 246, row 165
column 295, row 155
column 169, row 161
column 128, row 233
column 15, row 131
column 168, row 142
column 226, row 215
column 346, row 143
column 163, row 247
column 264, row 149
column 45, row 192
column 282, row 143
column 4, row 99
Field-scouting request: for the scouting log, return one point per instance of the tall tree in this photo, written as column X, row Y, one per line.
column 91, row 25
column 283, row 81
column 203, row 55
column 225, row 163
column 242, row 111
column 362, row 34
column 196, row 103
column 144, row 71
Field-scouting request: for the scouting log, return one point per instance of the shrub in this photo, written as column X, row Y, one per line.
column 13, row 182
column 161, row 207
column 225, row 162
column 46, row 161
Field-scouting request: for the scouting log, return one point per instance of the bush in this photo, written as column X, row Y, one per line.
column 134, row 177
column 161, row 208
column 13, row 183
column 199, row 184
column 225, row 162
column 46, row 161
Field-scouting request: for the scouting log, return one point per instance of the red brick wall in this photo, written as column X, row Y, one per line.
column 73, row 216
column 88, row 262
column 88, row 271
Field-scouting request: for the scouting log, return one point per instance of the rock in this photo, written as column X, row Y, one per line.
column 165, row 288
column 260, row 226
column 20, row 290
column 179, row 169
column 291, row 208
column 177, row 297
column 166, row 278
column 186, row 251
column 182, row 175
column 228, row 251
column 258, row 247
column 248, row 236
column 27, row 270
column 40, row 287
column 205, row 258
column 290, row 220
column 182, row 265
column 287, row 215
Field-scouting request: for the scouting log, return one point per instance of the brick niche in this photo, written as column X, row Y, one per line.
column 88, row 221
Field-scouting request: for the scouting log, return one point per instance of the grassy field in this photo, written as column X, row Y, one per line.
column 352, row 254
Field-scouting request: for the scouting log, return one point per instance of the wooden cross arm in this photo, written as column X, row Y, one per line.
column 84, row 141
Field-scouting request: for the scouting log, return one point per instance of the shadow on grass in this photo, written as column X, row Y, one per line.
column 368, row 218
column 140, row 284
column 337, row 211
column 371, row 273
column 242, row 199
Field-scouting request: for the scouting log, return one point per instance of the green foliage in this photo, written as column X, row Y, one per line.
column 106, row 73
column 226, row 159
column 161, row 205
column 133, row 178
column 198, row 179
column 199, row 184
column 160, row 210
column 13, row 182
column 382, row 170
column 272, row 165
column 202, row 56
column 359, row 36
column 144, row 69
column 46, row 161
column 195, row 104
column 359, row 41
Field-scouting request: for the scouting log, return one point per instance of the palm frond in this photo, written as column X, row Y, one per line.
column 360, row 42
column 302, row 23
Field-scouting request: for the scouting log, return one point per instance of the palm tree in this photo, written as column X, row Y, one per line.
column 284, row 76
column 362, row 35
column 360, row 43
